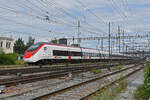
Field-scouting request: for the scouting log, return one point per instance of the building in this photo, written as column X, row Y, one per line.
column 6, row 44
column 63, row 41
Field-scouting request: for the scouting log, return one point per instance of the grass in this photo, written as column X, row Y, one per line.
column 118, row 67
column 21, row 62
column 97, row 71
column 143, row 92
column 111, row 93
column 5, row 66
column 18, row 64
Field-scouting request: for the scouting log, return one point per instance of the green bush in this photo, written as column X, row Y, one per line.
column 147, row 73
column 20, row 62
column 143, row 92
column 7, row 59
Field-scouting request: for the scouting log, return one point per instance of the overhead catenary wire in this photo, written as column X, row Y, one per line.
column 110, row 3
column 40, row 13
column 100, row 20
column 52, row 3
column 31, row 26
column 42, row 18
column 48, row 7
column 119, row 9
column 99, row 30
column 24, row 5
column 47, row 12
column 10, row 9
column 23, row 33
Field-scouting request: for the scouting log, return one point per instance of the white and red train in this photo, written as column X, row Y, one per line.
column 44, row 53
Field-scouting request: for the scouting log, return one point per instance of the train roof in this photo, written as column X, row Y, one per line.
column 64, row 45
column 104, row 52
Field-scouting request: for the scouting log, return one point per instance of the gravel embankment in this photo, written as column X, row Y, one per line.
column 134, row 81
column 35, row 89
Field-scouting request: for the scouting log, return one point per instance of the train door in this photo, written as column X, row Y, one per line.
column 69, row 55
column 82, row 56
column 99, row 55
column 46, row 53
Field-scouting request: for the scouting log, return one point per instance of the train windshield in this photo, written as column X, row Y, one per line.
column 34, row 47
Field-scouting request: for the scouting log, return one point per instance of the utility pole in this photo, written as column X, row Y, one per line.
column 110, row 56
column 112, row 46
column 102, row 44
column 109, row 39
column 123, row 42
column 116, row 44
column 119, row 37
column 97, row 47
column 79, row 32
column 73, row 40
column 126, row 49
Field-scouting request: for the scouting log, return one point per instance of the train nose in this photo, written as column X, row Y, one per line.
column 29, row 54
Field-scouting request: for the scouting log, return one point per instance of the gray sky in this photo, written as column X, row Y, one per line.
column 23, row 18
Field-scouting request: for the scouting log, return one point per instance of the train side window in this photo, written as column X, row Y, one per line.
column 60, row 53
column 76, row 53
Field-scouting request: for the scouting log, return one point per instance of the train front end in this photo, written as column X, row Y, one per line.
column 31, row 54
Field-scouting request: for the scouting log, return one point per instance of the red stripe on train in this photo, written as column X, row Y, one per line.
column 30, row 54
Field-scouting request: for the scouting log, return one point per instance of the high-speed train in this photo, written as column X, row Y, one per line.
column 46, row 53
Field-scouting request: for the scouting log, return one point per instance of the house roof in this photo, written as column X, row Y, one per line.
column 6, row 38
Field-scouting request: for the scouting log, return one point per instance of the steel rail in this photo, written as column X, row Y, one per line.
column 53, row 74
column 87, row 97
column 83, row 83
column 43, row 69
column 51, row 68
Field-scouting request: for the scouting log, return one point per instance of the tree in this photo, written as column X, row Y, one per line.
column 30, row 42
column 75, row 45
column 47, row 18
column 54, row 41
column 19, row 46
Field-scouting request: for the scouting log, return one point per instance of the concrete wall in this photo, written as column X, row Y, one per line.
column 7, row 44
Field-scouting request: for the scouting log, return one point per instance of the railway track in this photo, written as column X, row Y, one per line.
column 44, row 69
column 72, row 91
column 87, row 97
column 53, row 74
column 36, row 69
